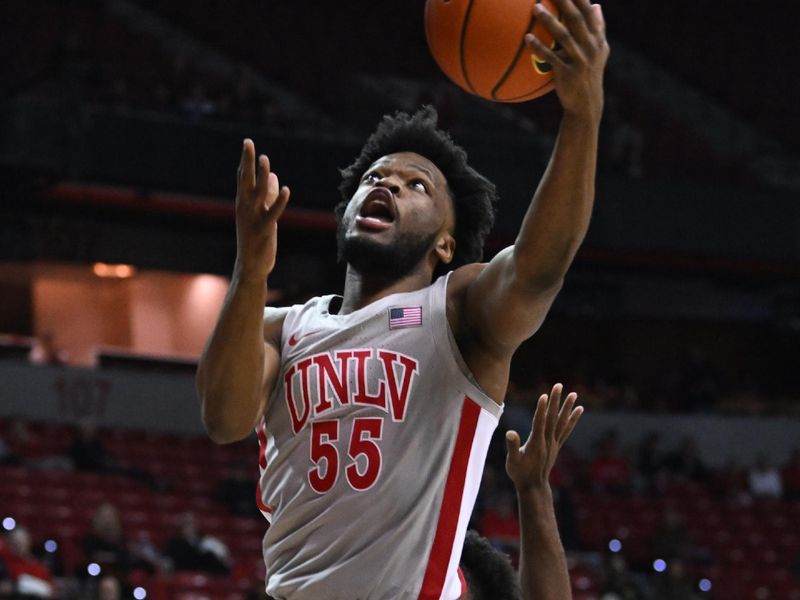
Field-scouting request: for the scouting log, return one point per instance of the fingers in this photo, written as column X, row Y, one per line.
column 599, row 19
column 262, row 179
column 258, row 184
column 512, row 446
column 573, row 419
column 542, row 51
column 579, row 32
column 581, row 18
column 246, row 175
column 586, row 9
column 272, row 189
column 567, row 38
column 538, row 425
column 553, row 403
column 564, row 414
column 276, row 210
column 572, row 15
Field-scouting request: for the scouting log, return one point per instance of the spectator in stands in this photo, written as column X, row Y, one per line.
column 89, row 454
column 191, row 550
column 145, row 556
column 671, row 539
column 106, row 544
column 609, row 471
column 791, row 476
column 765, row 479
column 109, row 588
column 235, row 492
column 26, row 576
column 19, row 443
column 25, row 449
column 674, row 583
column 730, row 482
column 619, row 583
column 45, row 351
column 685, row 463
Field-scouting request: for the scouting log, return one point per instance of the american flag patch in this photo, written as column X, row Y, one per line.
column 408, row 316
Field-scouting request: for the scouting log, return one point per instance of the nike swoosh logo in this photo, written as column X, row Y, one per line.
column 294, row 340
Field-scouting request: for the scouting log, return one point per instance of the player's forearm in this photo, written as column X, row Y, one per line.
column 231, row 371
column 542, row 562
column 558, row 217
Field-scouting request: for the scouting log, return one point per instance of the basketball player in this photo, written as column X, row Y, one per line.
column 374, row 409
column 543, row 571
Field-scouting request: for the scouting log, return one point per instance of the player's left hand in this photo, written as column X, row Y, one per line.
column 580, row 59
column 529, row 466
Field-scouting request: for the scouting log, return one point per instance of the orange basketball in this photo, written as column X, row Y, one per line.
column 479, row 44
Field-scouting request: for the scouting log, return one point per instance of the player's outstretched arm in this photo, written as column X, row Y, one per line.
column 509, row 298
column 542, row 562
column 241, row 359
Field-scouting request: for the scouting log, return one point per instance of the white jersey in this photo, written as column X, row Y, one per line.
column 372, row 450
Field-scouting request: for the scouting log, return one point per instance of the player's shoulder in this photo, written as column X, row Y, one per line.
column 460, row 280
column 456, row 294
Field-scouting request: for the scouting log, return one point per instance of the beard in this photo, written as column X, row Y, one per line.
column 387, row 262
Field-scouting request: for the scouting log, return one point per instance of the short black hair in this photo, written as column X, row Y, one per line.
column 473, row 195
column 489, row 573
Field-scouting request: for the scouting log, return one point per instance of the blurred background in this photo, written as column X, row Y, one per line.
column 679, row 325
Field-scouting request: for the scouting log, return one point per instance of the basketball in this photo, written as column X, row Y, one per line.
column 479, row 44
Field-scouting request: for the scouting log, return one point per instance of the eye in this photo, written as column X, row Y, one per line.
column 419, row 184
column 371, row 176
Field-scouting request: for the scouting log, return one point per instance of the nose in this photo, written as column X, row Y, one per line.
column 390, row 184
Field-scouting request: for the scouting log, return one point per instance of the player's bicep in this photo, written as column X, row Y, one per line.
column 503, row 310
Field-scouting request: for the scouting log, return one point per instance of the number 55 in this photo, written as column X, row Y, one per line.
column 325, row 456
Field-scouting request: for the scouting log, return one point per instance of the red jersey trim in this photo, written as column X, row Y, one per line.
column 462, row 579
column 442, row 548
column 262, row 463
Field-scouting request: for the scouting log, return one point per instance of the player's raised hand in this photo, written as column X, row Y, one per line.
column 580, row 56
column 529, row 466
column 260, row 201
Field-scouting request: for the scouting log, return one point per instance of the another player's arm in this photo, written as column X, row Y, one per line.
column 241, row 359
column 506, row 301
column 542, row 562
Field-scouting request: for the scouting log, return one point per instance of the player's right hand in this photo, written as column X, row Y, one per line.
column 529, row 466
column 260, row 201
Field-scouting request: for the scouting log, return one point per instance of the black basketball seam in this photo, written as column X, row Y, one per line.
column 525, row 96
column 463, row 59
column 513, row 64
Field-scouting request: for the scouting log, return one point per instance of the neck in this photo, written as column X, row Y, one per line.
column 362, row 290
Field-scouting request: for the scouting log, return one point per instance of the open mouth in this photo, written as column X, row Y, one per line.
column 377, row 212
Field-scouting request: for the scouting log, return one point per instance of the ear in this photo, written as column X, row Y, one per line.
column 445, row 248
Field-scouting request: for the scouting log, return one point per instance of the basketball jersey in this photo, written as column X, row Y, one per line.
column 371, row 452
